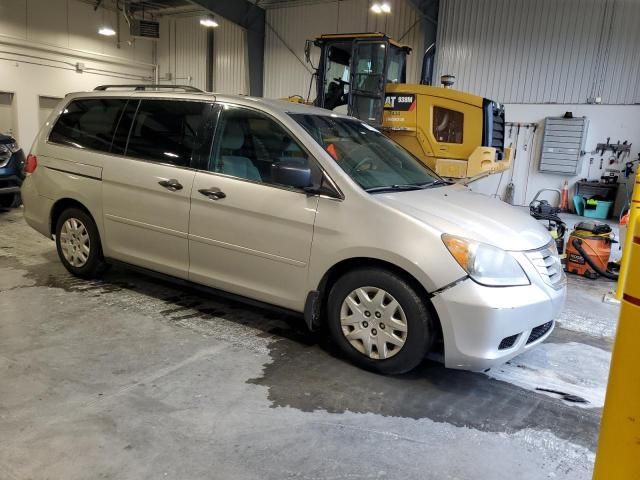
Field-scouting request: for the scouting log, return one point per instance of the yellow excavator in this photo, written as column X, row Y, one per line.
column 457, row 134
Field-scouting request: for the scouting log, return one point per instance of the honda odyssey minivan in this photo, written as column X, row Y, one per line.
column 299, row 208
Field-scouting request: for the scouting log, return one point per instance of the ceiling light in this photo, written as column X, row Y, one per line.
column 209, row 22
column 385, row 7
column 376, row 8
column 106, row 31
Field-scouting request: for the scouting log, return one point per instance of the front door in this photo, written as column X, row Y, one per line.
column 147, row 188
column 247, row 234
column 368, row 76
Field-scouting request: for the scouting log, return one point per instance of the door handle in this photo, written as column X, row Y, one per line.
column 171, row 184
column 214, row 193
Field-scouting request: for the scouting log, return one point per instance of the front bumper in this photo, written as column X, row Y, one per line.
column 11, row 176
column 476, row 319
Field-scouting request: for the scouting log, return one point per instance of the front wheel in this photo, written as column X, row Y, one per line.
column 78, row 244
column 379, row 321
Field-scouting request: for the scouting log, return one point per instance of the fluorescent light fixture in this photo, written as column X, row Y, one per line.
column 383, row 7
column 107, row 31
column 209, row 22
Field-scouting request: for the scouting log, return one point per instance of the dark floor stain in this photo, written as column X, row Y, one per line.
column 315, row 378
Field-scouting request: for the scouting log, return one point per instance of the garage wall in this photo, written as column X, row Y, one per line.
column 620, row 122
column 542, row 51
column 230, row 64
column 41, row 41
column 182, row 52
column 543, row 58
column 286, row 72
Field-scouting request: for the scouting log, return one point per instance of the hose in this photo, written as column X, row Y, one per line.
column 577, row 243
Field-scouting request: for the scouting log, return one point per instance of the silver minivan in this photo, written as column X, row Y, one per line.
column 299, row 208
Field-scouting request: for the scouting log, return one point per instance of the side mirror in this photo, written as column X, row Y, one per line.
column 291, row 173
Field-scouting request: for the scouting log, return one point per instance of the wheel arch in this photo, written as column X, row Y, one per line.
column 63, row 204
column 315, row 307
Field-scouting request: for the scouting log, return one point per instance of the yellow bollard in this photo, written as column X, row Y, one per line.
column 634, row 213
column 618, row 456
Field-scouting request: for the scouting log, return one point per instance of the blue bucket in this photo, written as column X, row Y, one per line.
column 601, row 211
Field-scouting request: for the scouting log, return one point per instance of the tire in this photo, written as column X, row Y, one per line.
column 12, row 200
column 79, row 231
column 398, row 339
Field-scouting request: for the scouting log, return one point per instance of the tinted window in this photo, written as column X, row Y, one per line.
column 447, row 125
column 169, row 131
column 124, row 126
column 250, row 145
column 88, row 123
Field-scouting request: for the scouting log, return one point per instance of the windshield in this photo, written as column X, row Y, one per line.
column 376, row 163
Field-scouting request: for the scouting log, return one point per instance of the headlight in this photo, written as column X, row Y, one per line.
column 486, row 264
column 4, row 148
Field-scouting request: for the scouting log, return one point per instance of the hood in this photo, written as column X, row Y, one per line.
column 458, row 211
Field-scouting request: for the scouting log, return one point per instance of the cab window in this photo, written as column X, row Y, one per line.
column 448, row 125
column 250, row 145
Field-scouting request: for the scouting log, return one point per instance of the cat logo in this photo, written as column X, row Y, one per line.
column 403, row 102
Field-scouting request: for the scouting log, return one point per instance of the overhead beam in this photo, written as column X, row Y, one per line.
column 252, row 19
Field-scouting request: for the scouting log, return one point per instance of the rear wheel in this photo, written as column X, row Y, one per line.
column 379, row 321
column 78, row 244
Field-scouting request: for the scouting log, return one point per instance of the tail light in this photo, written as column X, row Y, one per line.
column 31, row 164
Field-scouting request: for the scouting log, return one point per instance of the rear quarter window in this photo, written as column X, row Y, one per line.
column 88, row 123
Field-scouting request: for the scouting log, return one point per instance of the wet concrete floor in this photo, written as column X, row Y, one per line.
column 133, row 377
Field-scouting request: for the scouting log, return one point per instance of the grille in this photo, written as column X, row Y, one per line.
column 547, row 263
column 539, row 332
column 508, row 342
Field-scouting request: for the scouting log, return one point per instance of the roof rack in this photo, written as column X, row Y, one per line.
column 143, row 87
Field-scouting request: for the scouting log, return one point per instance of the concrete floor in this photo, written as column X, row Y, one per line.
column 134, row 378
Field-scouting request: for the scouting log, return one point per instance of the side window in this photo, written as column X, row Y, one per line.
column 88, row 123
column 448, row 125
column 252, row 146
column 169, row 131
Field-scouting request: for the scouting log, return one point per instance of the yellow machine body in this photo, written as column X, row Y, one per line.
column 364, row 74
column 413, row 128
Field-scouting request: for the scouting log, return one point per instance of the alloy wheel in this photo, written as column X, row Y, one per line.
column 75, row 242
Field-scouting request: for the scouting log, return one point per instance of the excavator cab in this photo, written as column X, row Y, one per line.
column 354, row 70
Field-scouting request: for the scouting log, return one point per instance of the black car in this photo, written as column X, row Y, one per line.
column 11, row 172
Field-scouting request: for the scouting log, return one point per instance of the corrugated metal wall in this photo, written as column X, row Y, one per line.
column 286, row 72
column 182, row 51
column 230, row 61
column 542, row 51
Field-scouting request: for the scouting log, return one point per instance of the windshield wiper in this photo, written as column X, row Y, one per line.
column 394, row 188
column 406, row 187
column 435, row 183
